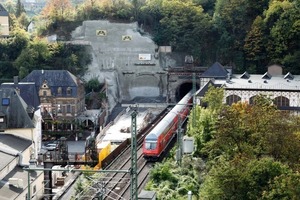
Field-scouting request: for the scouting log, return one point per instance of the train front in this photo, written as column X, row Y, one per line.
column 151, row 147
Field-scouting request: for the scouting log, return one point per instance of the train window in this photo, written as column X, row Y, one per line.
column 150, row 145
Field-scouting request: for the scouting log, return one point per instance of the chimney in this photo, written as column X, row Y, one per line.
column 16, row 80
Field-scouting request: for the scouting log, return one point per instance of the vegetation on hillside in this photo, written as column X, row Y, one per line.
column 242, row 152
column 245, row 34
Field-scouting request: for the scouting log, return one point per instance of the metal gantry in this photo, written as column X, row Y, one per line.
column 133, row 177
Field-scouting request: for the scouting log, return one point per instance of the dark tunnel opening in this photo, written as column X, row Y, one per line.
column 183, row 89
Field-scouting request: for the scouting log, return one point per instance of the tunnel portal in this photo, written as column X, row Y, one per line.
column 183, row 89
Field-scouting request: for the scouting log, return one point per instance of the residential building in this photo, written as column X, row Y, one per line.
column 4, row 22
column 284, row 89
column 61, row 96
column 20, row 137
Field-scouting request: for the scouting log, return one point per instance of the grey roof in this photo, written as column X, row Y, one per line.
column 3, row 12
column 59, row 78
column 259, row 82
column 27, row 91
column 54, row 79
column 215, row 71
column 14, row 108
column 9, row 144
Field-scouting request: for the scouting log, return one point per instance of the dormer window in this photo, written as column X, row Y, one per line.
column 69, row 91
column 59, row 91
column 266, row 75
column 5, row 101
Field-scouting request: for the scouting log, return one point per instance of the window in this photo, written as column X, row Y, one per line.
column 150, row 145
column 59, row 90
column 68, row 108
column 5, row 101
column 232, row 99
column 34, row 189
column 282, row 101
column 69, row 91
column 58, row 108
column 252, row 100
column 44, row 93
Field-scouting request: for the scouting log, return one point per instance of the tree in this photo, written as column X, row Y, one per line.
column 19, row 9
column 33, row 57
column 23, row 21
column 17, row 42
column 241, row 178
column 93, row 85
column 203, row 130
column 254, row 47
column 282, row 18
column 285, row 186
column 214, row 98
column 10, row 6
column 57, row 10
column 256, row 130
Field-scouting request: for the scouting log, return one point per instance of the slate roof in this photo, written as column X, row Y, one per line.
column 54, row 78
column 27, row 91
column 16, row 109
column 216, row 71
column 3, row 12
column 259, row 82
column 8, row 145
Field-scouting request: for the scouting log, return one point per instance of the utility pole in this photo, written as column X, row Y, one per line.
column 194, row 99
column 133, row 177
column 179, row 141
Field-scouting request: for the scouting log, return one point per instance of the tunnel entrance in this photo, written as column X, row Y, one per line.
column 183, row 89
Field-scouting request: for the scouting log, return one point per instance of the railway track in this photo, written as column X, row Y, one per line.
column 116, row 185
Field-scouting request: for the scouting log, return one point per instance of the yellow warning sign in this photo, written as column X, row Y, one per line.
column 101, row 32
column 126, row 37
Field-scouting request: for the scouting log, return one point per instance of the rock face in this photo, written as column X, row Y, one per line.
column 123, row 58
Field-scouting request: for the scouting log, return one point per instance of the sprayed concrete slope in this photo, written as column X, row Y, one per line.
column 123, row 58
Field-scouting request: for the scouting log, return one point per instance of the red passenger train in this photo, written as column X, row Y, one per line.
column 158, row 139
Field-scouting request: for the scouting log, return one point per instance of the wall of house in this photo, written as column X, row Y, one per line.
column 293, row 96
column 36, row 188
column 15, row 162
column 4, row 26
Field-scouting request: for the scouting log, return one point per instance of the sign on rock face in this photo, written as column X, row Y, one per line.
column 101, row 32
column 144, row 56
column 126, row 37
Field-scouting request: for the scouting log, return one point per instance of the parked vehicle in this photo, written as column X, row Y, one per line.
column 51, row 147
column 158, row 139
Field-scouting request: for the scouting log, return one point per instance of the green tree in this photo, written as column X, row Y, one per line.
column 93, row 85
column 254, row 47
column 171, row 181
column 16, row 43
column 256, row 130
column 23, row 21
column 286, row 186
column 19, row 8
column 33, row 57
column 241, row 178
column 203, row 130
column 10, row 6
column 283, row 21
column 214, row 98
